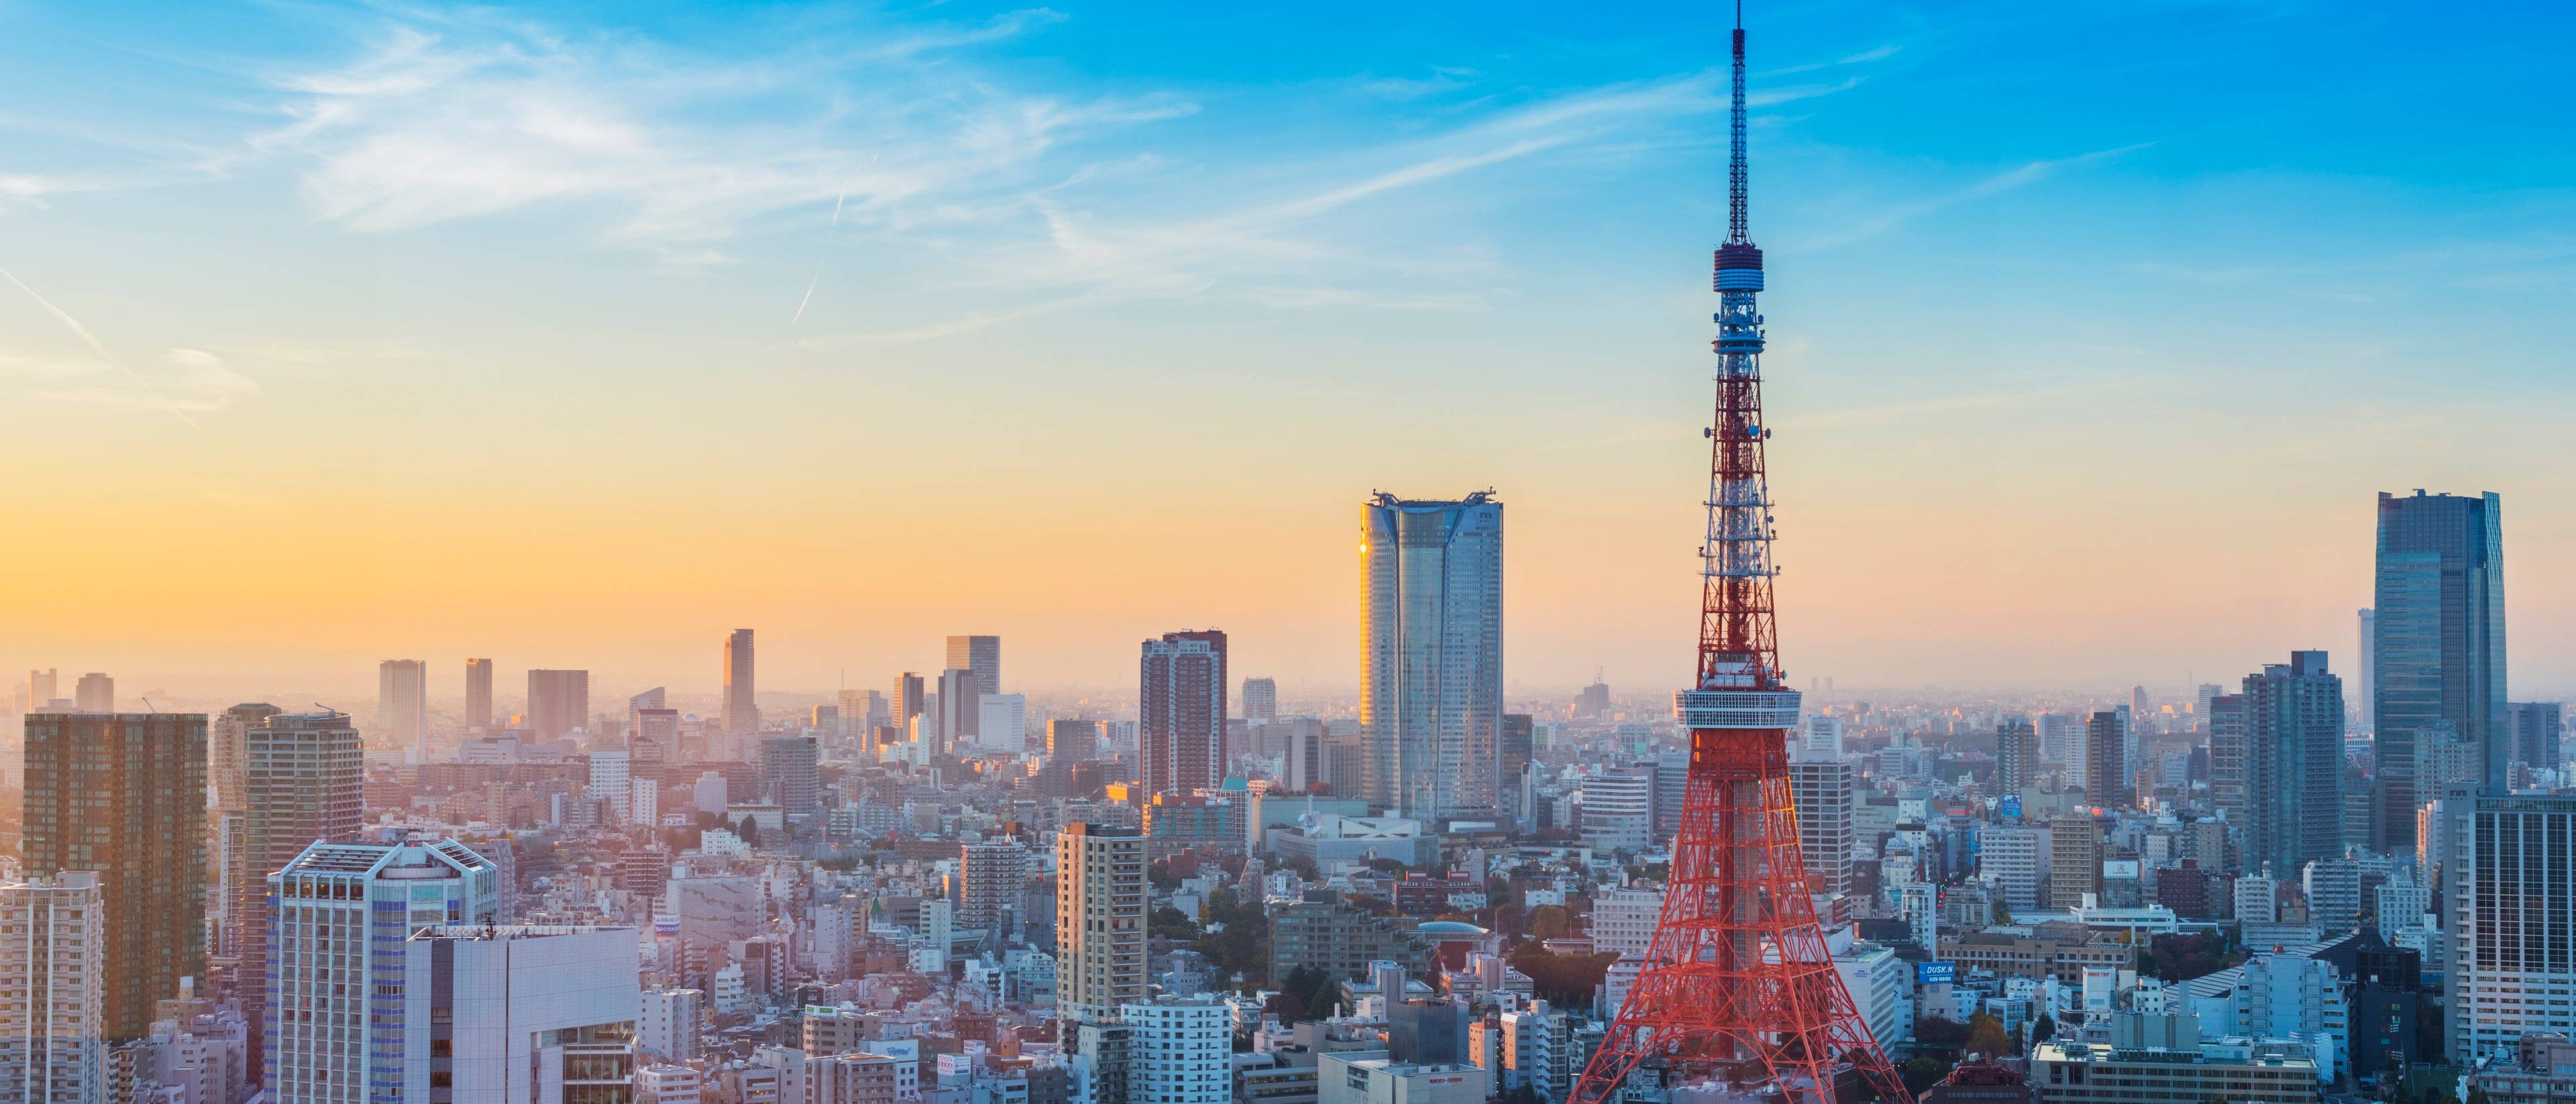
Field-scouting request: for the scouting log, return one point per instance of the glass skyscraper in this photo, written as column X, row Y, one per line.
column 1431, row 669
column 2292, row 765
column 2437, row 643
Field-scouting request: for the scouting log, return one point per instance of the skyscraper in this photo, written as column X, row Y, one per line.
column 2362, row 689
column 2293, row 765
column 2074, row 860
column 2016, row 755
column 306, row 784
column 402, row 706
column 2537, row 728
column 2106, row 760
column 982, row 655
column 960, row 707
column 2229, row 724
column 903, row 703
column 39, row 690
column 1431, row 665
column 96, row 693
column 741, row 684
column 337, row 1006
column 478, row 693
column 1181, row 711
column 1260, row 699
column 558, row 702
column 1099, row 919
column 1821, row 792
column 534, row 1013
column 990, row 876
column 52, row 1010
column 124, row 794
column 2437, row 642
column 2509, row 875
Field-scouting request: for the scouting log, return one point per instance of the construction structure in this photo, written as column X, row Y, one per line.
column 1738, row 994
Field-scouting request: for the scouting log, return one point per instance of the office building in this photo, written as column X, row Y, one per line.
column 2229, row 727
column 2537, row 728
column 305, row 782
column 1072, row 739
column 1624, row 919
column 2106, row 761
column 1099, row 919
column 1375, row 1077
column 2437, row 643
column 510, row 1013
column 1431, row 668
column 2292, row 763
column 791, row 769
column 1821, row 791
column 2016, row 755
column 96, row 693
column 903, row 702
column 124, row 795
column 1619, row 808
column 2159, row 1059
column 2015, row 859
column 741, row 685
column 1260, row 699
column 1183, row 1050
column 52, row 991
column 957, row 707
column 2061, row 741
column 1002, row 724
column 478, row 693
column 2362, row 672
column 981, row 655
column 654, row 740
column 39, row 691
column 402, row 707
column 2280, row 996
column 1181, row 711
column 2074, row 861
column 338, row 1002
column 558, row 702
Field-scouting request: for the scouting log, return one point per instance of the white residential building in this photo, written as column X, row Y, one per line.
column 2014, row 858
column 1002, row 723
column 1821, row 791
column 669, row 1085
column 668, row 1028
column 611, row 780
column 2282, row 996
column 1619, row 809
column 52, row 998
column 1182, row 1051
column 1623, row 919
column 1881, row 987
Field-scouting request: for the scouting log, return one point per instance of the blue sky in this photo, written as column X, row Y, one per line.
column 2094, row 325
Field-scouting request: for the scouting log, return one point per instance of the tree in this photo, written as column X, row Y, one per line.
column 1986, row 1036
column 1567, row 980
column 1385, row 865
column 1941, row 1032
column 1922, row 1072
column 1168, row 923
column 1548, row 922
column 1526, row 1093
column 2043, row 1031
column 2018, row 1046
column 1160, row 877
column 749, row 830
column 1289, row 1007
column 2003, row 910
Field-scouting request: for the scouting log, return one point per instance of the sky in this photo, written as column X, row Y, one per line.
column 579, row 335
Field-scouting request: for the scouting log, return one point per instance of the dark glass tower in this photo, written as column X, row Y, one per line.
column 2437, row 643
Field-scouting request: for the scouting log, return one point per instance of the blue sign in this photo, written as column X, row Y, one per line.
column 1935, row 973
column 2009, row 807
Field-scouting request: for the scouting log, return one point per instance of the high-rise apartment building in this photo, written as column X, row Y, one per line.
column 669, row 1028
column 1099, row 919
column 402, row 706
column 2016, row 755
column 981, row 655
column 2437, row 643
column 2511, row 878
column 612, row 775
column 96, row 693
column 2015, row 859
column 2061, row 741
column 1431, row 665
column 791, row 768
column 1181, row 711
column 558, row 702
column 1821, row 791
column 1183, row 1050
column 53, row 1027
column 1260, row 699
column 124, row 795
column 338, row 1012
column 741, row 684
column 2106, row 761
column 509, row 1013
column 2229, row 726
column 2074, row 860
column 2292, row 771
column 990, row 876
column 305, row 783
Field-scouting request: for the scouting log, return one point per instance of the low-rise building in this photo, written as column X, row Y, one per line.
column 1371, row 1077
column 2159, row 1059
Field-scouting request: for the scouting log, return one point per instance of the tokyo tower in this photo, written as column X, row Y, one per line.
column 1739, row 992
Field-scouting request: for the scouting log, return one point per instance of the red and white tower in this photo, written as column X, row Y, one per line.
column 1739, row 989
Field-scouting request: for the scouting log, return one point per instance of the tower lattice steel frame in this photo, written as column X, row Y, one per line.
column 1739, row 987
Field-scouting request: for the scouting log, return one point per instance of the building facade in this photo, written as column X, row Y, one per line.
column 402, row 706
column 53, row 946
column 1099, row 919
column 741, row 683
column 517, row 1013
column 1181, row 711
column 2292, row 763
column 2437, row 643
column 558, row 702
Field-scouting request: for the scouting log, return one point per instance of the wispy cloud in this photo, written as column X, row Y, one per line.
column 1997, row 184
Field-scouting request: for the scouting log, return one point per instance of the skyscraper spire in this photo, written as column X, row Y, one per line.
column 1739, row 987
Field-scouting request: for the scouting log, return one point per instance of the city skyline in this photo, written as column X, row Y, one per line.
column 2115, row 294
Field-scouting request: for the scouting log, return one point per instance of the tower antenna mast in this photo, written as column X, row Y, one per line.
column 1739, row 988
